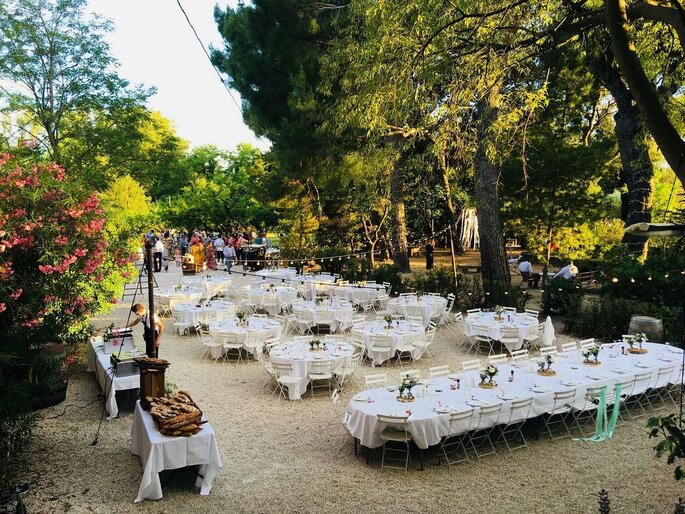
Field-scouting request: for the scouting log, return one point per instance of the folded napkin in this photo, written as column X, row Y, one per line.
column 507, row 396
column 620, row 371
column 475, row 402
column 592, row 376
column 569, row 383
column 642, row 365
column 666, row 359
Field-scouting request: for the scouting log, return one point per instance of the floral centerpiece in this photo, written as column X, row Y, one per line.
column 178, row 288
column 488, row 373
column 241, row 316
column 637, row 339
column 499, row 312
column 545, row 366
column 315, row 345
column 318, row 300
column 594, row 353
column 201, row 302
column 405, row 387
column 388, row 321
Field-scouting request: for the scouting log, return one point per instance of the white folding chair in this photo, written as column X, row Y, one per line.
column 498, row 359
column 512, row 431
column 396, row 430
column 586, row 344
column 558, row 416
column 378, row 379
column 569, row 347
column 471, row 364
column 457, row 438
column 284, row 378
column 548, row 350
column 518, row 355
column 438, row 371
column 320, row 371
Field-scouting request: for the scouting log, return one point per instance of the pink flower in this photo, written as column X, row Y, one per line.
column 61, row 240
column 46, row 268
column 80, row 252
column 3, row 307
column 16, row 294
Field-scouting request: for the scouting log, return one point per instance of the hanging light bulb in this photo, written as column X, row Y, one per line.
column 614, row 280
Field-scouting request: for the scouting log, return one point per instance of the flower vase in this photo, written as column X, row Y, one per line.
column 547, row 372
column 406, row 398
column 637, row 351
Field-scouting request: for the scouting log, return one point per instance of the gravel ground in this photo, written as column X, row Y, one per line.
column 287, row 456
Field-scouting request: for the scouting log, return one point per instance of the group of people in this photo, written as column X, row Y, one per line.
column 532, row 278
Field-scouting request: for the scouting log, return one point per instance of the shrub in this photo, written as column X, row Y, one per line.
column 389, row 273
column 565, row 297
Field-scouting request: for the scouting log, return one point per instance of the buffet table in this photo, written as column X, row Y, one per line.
column 98, row 362
column 159, row 452
column 429, row 413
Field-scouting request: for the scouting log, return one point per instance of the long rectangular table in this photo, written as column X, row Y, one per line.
column 98, row 362
column 429, row 414
column 159, row 452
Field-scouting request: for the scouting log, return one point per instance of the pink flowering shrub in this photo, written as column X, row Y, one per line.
column 53, row 245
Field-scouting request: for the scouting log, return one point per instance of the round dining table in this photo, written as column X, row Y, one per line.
column 299, row 356
column 400, row 331
column 167, row 299
column 526, row 324
column 232, row 326
column 210, row 285
column 354, row 291
column 209, row 312
column 428, row 306
column 324, row 312
column 284, row 295
column 429, row 414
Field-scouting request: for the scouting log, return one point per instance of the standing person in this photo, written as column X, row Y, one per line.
column 219, row 247
column 527, row 274
column 229, row 255
column 183, row 243
column 150, row 335
column 429, row 254
column 210, row 256
column 238, row 243
column 198, row 252
column 158, row 251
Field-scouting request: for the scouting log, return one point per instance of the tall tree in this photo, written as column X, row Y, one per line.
column 55, row 61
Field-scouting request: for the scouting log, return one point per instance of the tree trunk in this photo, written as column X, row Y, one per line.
column 451, row 214
column 660, row 127
column 400, row 251
column 495, row 271
column 637, row 170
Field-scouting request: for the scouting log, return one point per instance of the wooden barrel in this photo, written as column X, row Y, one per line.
column 653, row 328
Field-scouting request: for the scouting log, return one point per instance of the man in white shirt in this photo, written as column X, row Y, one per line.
column 568, row 272
column 219, row 247
column 527, row 274
column 158, row 250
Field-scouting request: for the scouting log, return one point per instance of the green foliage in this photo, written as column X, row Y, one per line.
column 389, row 273
column 566, row 297
column 672, row 444
column 16, row 433
column 57, row 63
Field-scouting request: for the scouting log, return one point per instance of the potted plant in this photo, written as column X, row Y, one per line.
column 545, row 366
column 594, row 353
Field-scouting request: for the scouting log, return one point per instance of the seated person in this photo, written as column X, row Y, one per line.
column 568, row 272
column 527, row 273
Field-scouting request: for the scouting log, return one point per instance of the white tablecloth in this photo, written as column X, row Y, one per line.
column 298, row 354
column 284, row 295
column 274, row 275
column 159, row 452
column 210, row 287
column 350, row 292
column 427, row 426
column 98, row 361
column 527, row 326
column 312, row 285
column 324, row 313
column 400, row 330
column 271, row 327
column 216, row 310
column 431, row 306
column 170, row 298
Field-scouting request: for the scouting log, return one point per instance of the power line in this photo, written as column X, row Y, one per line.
column 204, row 49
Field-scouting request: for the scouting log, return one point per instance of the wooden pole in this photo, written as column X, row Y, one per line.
column 150, row 348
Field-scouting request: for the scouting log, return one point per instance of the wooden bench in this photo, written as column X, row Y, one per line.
column 586, row 279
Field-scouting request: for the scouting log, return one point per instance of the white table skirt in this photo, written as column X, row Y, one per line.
column 325, row 312
column 298, row 355
column 427, row 427
column 431, row 306
column 397, row 333
column 217, row 310
column 159, row 452
column 271, row 327
column 350, row 291
column 283, row 295
column 98, row 361
column 527, row 326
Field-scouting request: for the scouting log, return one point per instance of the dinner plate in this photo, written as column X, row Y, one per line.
column 569, row 383
column 399, row 413
column 620, row 371
column 453, row 376
column 361, row 399
column 507, row 396
column 443, row 410
column 666, row 359
column 477, row 403
column 642, row 365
